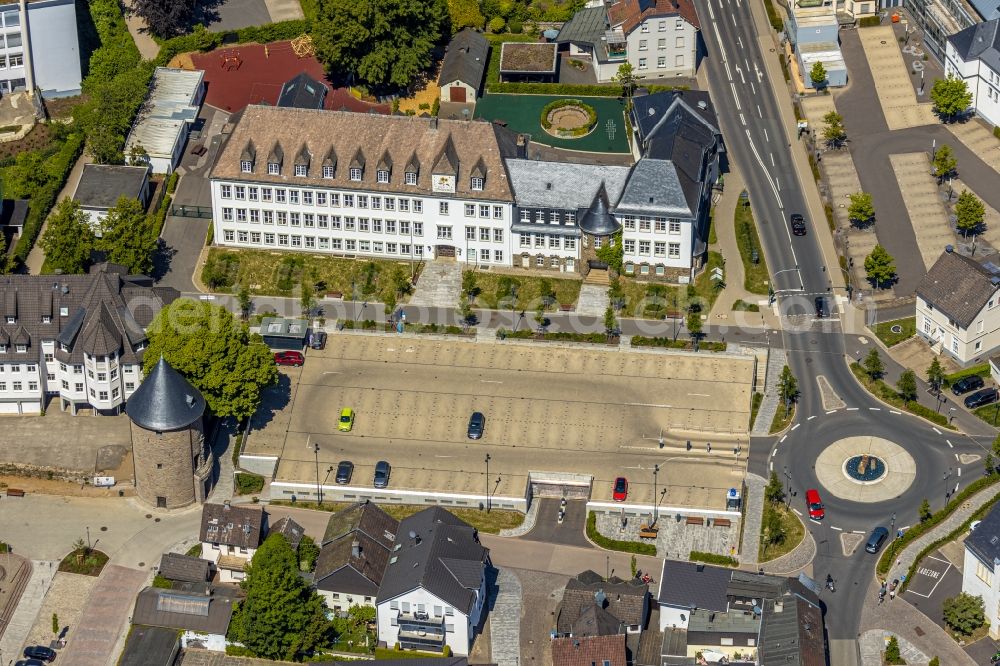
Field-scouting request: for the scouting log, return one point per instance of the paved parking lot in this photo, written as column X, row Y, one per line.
column 547, row 408
column 923, row 204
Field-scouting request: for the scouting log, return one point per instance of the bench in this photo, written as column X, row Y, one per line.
column 722, row 522
column 647, row 532
column 694, row 520
column 15, row 492
column 566, row 307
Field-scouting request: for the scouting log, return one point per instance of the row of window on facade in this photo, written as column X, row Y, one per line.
column 661, row 26
column 661, row 43
column 645, row 269
column 11, row 60
column 354, row 174
column 661, row 62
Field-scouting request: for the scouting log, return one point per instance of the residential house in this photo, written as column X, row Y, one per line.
column 40, row 48
column 288, row 528
column 184, row 568
column 230, row 535
column 973, row 55
column 958, row 307
column 163, row 123
column 607, row 650
column 202, row 613
column 13, row 213
column 101, row 185
column 150, row 646
column 463, row 67
column 356, row 549
column 981, row 570
column 302, row 92
column 593, row 606
column 78, row 338
column 659, row 38
column 434, row 588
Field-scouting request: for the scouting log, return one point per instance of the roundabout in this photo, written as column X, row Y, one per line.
column 865, row 469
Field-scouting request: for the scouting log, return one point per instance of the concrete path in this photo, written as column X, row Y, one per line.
column 927, row 213
column 36, row 258
column 752, row 518
column 283, row 10
column 16, row 633
column 872, row 645
column 771, row 402
column 593, row 300
column 553, row 558
column 440, row 285
column 505, row 620
column 147, row 46
column 105, row 617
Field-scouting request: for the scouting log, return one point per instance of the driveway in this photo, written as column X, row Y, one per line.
column 108, row 610
column 570, row 532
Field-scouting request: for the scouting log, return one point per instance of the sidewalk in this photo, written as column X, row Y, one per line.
column 36, row 258
column 148, row 48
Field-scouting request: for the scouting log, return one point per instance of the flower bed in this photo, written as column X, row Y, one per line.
column 577, row 118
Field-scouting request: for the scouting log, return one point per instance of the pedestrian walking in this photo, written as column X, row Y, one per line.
column 892, row 594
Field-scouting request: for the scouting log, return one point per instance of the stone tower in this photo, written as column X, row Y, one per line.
column 173, row 464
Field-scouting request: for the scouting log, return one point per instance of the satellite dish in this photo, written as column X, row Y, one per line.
column 413, row 535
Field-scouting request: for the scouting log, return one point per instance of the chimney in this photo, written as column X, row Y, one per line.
column 949, row 249
column 522, row 146
column 434, row 122
column 702, row 104
column 356, row 549
column 225, row 506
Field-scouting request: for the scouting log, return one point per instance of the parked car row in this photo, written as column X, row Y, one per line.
column 315, row 340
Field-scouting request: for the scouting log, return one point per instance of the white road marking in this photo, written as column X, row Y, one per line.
column 950, row 445
column 893, row 411
column 777, row 197
column 852, row 409
column 490, row 381
column 783, row 438
column 797, row 511
column 773, row 453
column 857, row 532
column 772, row 466
column 743, row 121
column 936, row 430
column 930, row 573
column 772, row 156
column 759, row 113
column 811, row 417
column 875, row 409
column 738, row 39
column 834, row 527
column 959, row 471
column 739, row 70
column 955, row 490
column 700, row 395
column 754, row 89
column 444, row 456
column 766, row 137
column 956, row 456
column 832, row 411
column 796, row 426
column 644, row 404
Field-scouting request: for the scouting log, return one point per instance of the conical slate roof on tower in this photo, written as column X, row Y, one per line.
column 597, row 219
column 165, row 401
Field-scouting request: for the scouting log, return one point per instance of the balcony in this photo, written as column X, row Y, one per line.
column 421, row 631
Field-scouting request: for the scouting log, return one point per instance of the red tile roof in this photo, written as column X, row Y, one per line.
column 630, row 13
column 588, row 650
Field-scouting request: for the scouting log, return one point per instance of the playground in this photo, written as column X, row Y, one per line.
column 523, row 113
column 236, row 76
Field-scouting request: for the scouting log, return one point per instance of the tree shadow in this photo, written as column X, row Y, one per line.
column 87, row 35
column 162, row 259
column 273, row 400
column 206, row 12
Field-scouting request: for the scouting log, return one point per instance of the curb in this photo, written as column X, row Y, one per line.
column 903, row 411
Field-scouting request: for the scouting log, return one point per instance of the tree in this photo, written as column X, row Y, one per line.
column 935, row 374
column 308, row 552
column 951, row 96
column 281, row 616
column 215, row 352
column 497, row 24
column 68, row 239
column 944, row 163
column 165, row 19
column 381, row 42
column 612, row 252
column 774, row 492
column 694, row 325
column 880, row 267
column 127, row 236
column 465, row 312
column 788, row 387
column 834, row 133
column 246, row 303
column 996, row 446
column 465, row 14
column 906, row 385
column 925, row 511
column 610, row 321
column 137, row 155
column 627, row 79
column 892, row 655
column 25, row 176
column 469, row 284
column 818, row 75
column 773, row 526
column 989, row 465
column 934, row 662
column 861, row 210
column 969, row 213
column 964, row 613
column 540, row 315
column 873, row 365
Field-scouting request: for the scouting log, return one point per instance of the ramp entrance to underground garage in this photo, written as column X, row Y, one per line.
column 559, row 485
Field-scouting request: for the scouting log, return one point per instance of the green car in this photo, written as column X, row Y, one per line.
column 346, row 420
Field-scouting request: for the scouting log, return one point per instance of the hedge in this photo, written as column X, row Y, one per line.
column 584, row 90
column 982, row 370
column 869, row 21
column 886, row 393
column 564, row 336
column 774, row 17
column 713, row 558
column 560, row 103
column 172, row 182
column 613, row 544
column 670, row 343
column 889, row 554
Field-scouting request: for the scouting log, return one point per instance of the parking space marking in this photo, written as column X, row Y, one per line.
column 811, row 417
column 893, row 411
column 933, row 574
column 796, row 426
column 950, row 445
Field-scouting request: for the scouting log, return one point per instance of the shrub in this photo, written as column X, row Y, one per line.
column 774, row 17
column 983, row 370
column 160, row 581
column 713, row 558
column 892, row 655
column 562, row 103
column 996, row 131
column 869, row 21
column 497, row 24
column 248, row 484
column 964, row 613
column 516, row 26
column 613, row 544
column 172, row 182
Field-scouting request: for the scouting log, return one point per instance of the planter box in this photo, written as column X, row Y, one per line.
column 335, row 294
column 566, row 307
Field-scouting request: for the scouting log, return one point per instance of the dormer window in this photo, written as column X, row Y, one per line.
column 382, row 176
column 356, row 174
column 273, row 169
column 21, row 348
column 46, row 319
column 63, row 312
column 328, row 172
column 11, row 319
column 246, row 166
column 3, row 349
column 411, row 178
column 477, row 184
column 301, row 170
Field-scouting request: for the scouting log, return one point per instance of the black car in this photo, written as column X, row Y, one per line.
column 966, row 384
column 40, row 652
column 477, row 423
column 876, row 539
column 985, row 396
column 317, row 340
column 798, row 225
column 382, row 470
column 822, row 307
column 345, row 469
column 29, row 662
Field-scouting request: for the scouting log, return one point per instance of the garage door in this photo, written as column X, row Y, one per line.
column 458, row 94
column 8, row 408
column 31, row 408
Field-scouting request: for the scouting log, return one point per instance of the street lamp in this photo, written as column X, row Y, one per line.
column 487, row 483
column 892, row 525
column 319, row 488
column 656, row 471
column 789, row 485
column 89, row 547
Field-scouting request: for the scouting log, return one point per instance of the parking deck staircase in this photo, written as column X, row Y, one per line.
column 439, row 286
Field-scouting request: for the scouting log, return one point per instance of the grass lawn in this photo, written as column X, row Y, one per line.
column 755, row 407
column 655, row 300
column 282, row 273
column 756, row 278
column 743, row 306
column 491, row 522
column 981, row 632
column 194, row 551
column 888, row 394
column 494, row 290
column 907, row 326
column 795, row 531
column 248, row 484
column 989, row 413
column 782, row 419
column 84, row 561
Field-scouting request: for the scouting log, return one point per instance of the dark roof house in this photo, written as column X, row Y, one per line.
column 232, row 525
column 690, row 585
column 150, row 646
column 209, row 613
column 628, row 14
column 184, row 568
column 439, row 553
column 13, row 213
column 288, row 528
column 165, row 401
column 101, row 185
column 356, row 550
column 465, row 59
column 590, row 651
column 593, row 606
column 984, row 541
column 302, row 92
column 959, row 286
column 979, row 42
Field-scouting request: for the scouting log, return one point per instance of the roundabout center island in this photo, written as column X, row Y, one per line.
column 865, row 469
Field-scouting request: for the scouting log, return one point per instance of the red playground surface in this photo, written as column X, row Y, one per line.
column 248, row 74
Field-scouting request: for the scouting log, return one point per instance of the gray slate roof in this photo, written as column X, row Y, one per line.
column 984, row 541
column 587, row 26
column 655, row 188
column 465, row 59
column 337, row 568
column 288, row 528
column 13, row 212
column 302, row 92
column 625, row 601
column 232, row 524
column 597, row 219
column 791, row 633
column 184, row 568
column 165, row 401
column 445, row 558
column 958, row 286
column 563, row 185
column 150, row 646
column 173, row 609
column 102, row 184
column 988, row 9
column 690, row 585
column 980, row 41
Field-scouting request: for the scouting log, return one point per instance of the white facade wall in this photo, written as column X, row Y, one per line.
column 273, row 217
column 981, row 579
column 55, row 47
column 656, row 241
column 213, row 551
column 983, row 82
column 662, row 47
column 344, row 600
column 461, row 625
column 470, row 92
column 965, row 345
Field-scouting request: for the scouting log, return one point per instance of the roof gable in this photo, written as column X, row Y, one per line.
column 959, row 286
column 465, row 59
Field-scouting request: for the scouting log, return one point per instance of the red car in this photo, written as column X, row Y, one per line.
column 621, row 489
column 293, row 358
column 815, row 505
